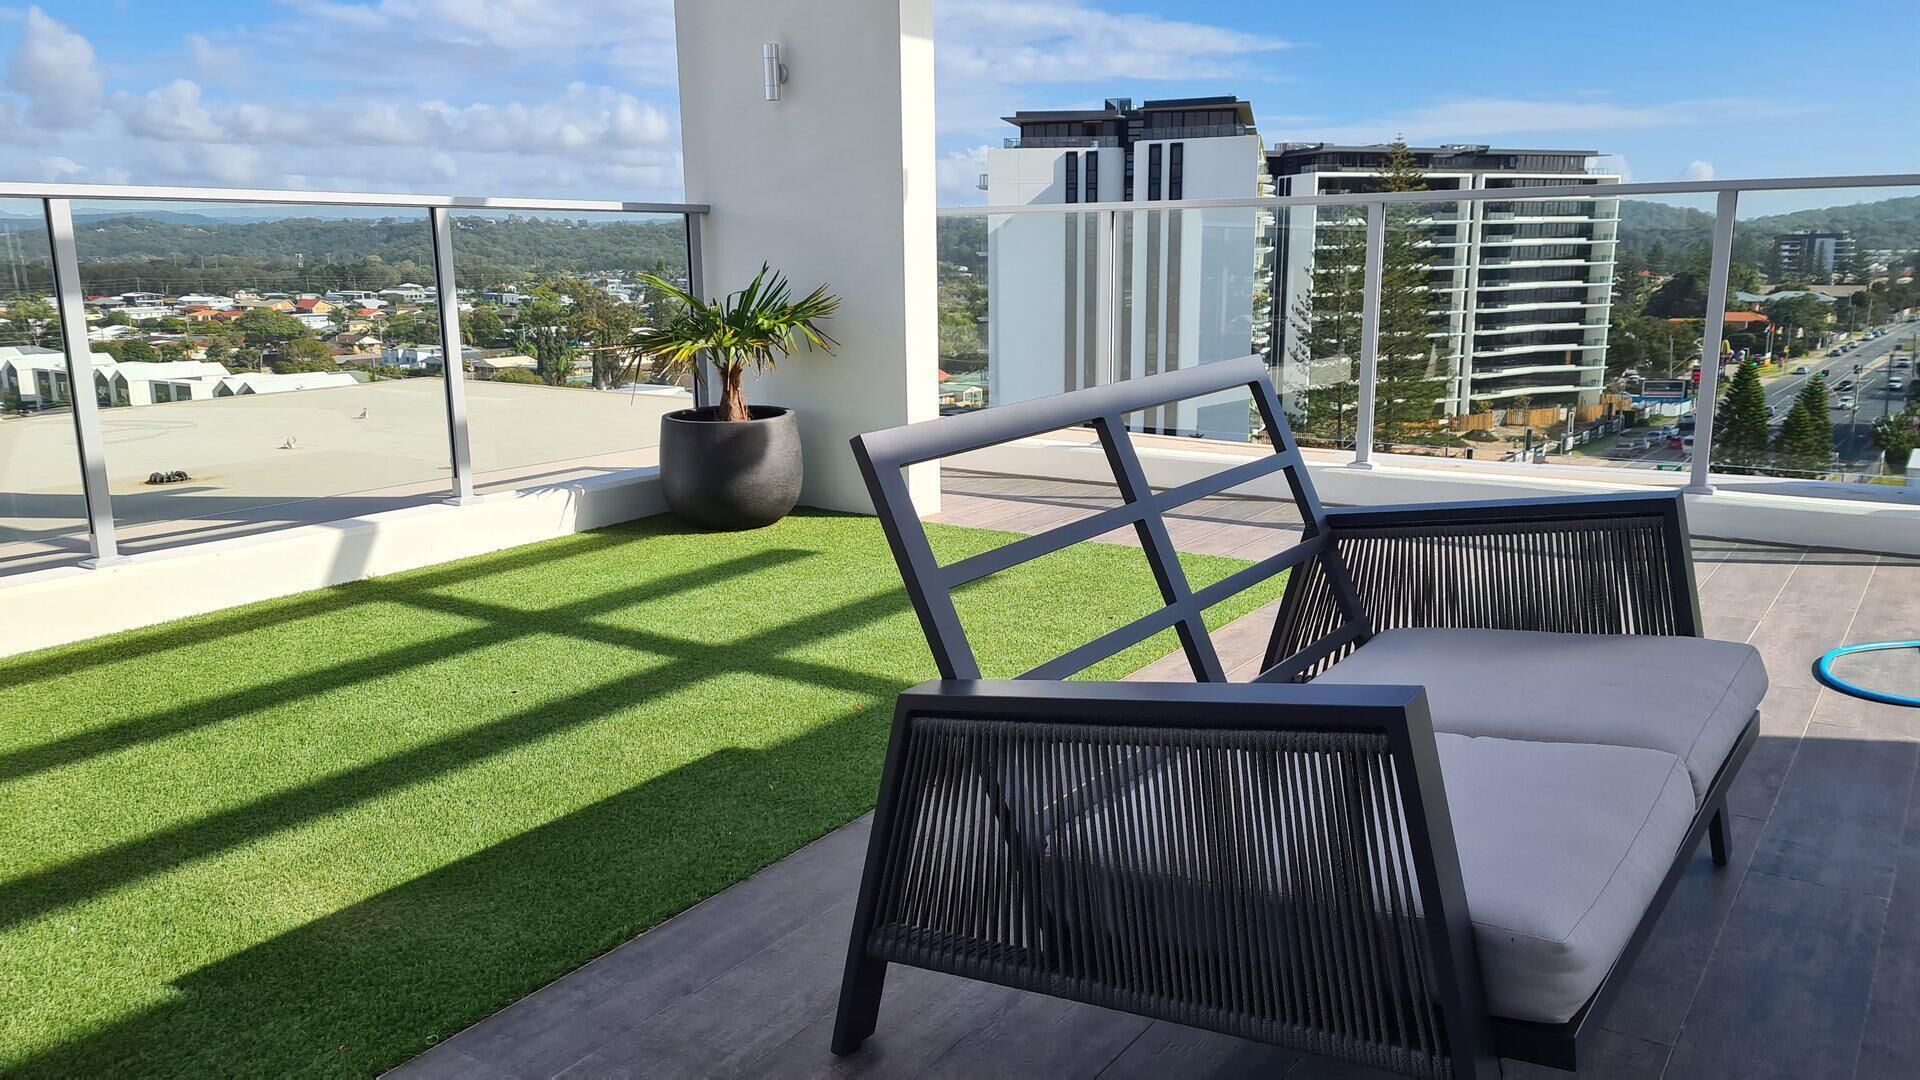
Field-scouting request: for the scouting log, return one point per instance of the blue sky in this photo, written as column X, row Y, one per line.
column 576, row 97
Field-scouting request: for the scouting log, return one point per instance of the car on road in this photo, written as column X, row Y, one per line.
column 1836, row 351
column 1843, row 401
column 1904, row 363
column 1844, row 385
column 1895, row 382
column 1801, row 370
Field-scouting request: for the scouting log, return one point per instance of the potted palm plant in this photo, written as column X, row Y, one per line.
column 733, row 466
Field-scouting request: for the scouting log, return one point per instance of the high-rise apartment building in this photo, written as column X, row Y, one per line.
column 1810, row 254
column 1520, row 290
column 1186, row 279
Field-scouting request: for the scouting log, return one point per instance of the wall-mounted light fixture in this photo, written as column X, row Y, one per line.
column 772, row 70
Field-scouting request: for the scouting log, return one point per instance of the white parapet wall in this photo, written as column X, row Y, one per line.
column 70, row 603
column 1843, row 517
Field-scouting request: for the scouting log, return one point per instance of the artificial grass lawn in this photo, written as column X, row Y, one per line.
column 314, row 835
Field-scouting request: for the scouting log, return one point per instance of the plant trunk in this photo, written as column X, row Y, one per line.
column 733, row 398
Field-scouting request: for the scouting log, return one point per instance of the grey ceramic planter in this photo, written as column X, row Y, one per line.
column 739, row 474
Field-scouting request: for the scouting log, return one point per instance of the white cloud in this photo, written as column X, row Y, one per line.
column 584, row 120
column 587, row 120
column 53, row 69
column 1617, row 165
column 218, row 64
column 1070, row 41
column 67, row 171
column 991, row 52
column 633, row 37
column 1699, row 170
column 173, row 111
column 957, row 174
column 469, row 99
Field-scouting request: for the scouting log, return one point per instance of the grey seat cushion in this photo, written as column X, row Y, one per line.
column 1687, row 696
column 1562, row 847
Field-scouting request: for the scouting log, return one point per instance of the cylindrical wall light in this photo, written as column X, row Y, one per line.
column 772, row 70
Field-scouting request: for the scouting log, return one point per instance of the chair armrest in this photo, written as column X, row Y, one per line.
column 1178, row 706
column 1596, row 564
column 1552, row 508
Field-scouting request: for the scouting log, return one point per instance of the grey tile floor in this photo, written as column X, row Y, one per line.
column 1800, row 959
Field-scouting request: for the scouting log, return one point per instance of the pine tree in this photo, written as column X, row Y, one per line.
column 1806, row 436
column 1327, row 346
column 1740, row 426
column 1657, row 258
column 1329, row 317
column 1406, row 391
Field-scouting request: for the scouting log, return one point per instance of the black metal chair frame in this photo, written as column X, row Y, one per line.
column 1615, row 563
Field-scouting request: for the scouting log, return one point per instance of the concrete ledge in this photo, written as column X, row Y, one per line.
column 70, row 603
column 1846, row 517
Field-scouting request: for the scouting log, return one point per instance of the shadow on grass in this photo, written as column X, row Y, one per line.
column 500, row 625
column 29, row 896
column 384, row 977
column 366, row 987
column 201, row 629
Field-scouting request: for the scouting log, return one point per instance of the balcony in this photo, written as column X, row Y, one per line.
column 1059, row 142
column 407, row 732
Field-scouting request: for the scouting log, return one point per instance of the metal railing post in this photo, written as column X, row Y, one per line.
column 697, row 285
column 1107, row 314
column 452, row 361
column 103, row 541
column 1715, row 328
column 1369, row 336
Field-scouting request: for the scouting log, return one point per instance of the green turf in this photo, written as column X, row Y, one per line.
column 314, row 835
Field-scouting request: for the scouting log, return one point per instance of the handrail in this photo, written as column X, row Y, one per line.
column 57, row 203
column 1530, row 194
column 149, row 193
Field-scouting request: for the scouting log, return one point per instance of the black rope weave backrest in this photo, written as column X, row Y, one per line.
column 1599, row 573
column 883, row 455
column 1259, row 882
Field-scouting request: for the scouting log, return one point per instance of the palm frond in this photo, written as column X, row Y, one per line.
column 753, row 327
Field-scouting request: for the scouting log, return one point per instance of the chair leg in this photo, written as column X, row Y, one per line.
column 1717, row 836
column 859, row 1003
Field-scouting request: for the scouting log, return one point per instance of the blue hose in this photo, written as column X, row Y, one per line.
column 1824, row 670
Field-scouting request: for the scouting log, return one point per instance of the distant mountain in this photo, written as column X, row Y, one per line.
column 1674, row 228
column 1883, row 223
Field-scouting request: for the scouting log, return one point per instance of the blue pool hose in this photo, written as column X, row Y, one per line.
column 1824, row 669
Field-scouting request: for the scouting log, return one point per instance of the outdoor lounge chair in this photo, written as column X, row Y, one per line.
column 1433, row 832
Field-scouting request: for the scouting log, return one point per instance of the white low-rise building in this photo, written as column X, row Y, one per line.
column 486, row 367
column 141, row 383
column 267, row 382
column 21, row 371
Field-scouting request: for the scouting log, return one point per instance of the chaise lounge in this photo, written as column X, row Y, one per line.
column 1432, row 833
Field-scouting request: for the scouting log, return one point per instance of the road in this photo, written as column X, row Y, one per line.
column 1869, row 365
column 1852, row 428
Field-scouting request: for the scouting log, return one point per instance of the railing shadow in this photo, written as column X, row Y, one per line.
column 365, row 987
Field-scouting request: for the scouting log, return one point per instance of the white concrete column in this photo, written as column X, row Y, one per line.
column 832, row 183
